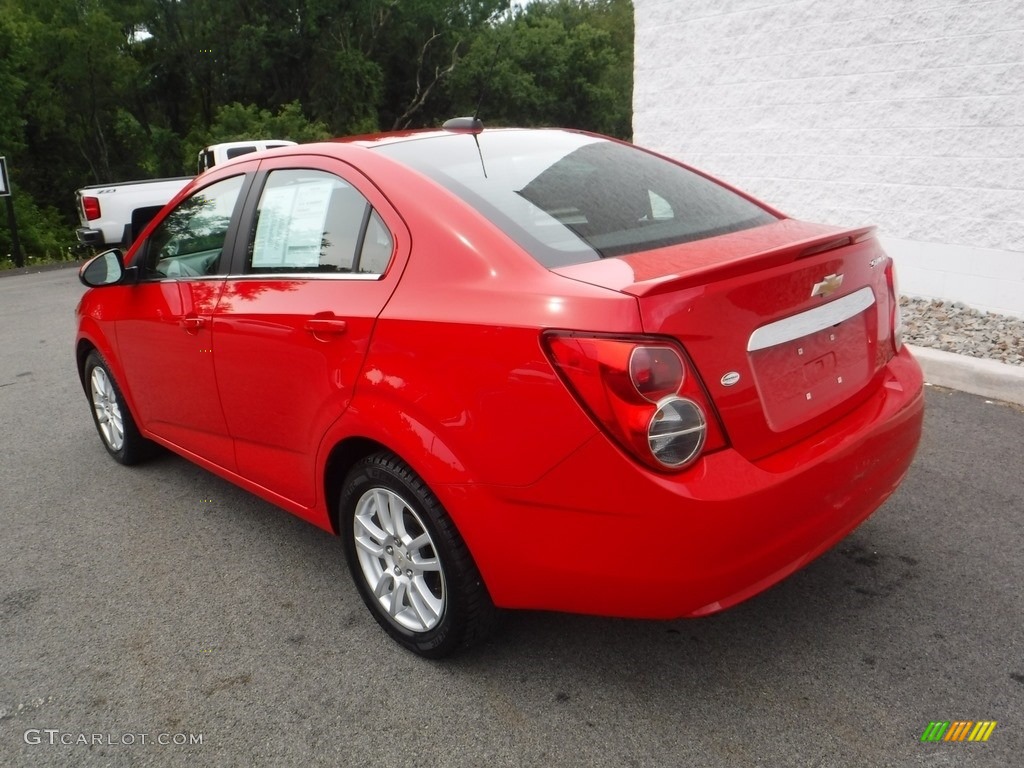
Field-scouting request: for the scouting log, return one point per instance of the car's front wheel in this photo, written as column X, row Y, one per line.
column 113, row 420
column 409, row 563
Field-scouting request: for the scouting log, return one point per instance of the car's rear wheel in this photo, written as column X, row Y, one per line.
column 408, row 561
column 113, row 420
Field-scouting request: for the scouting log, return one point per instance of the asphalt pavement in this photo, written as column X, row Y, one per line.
column 162, row 604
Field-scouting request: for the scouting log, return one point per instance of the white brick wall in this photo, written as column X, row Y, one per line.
column 908, row 114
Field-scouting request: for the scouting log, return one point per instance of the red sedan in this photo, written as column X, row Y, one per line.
column 512, row 369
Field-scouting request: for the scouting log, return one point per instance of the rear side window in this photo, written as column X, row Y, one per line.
column 313, row 221
column 239, row 151
column 568, row 198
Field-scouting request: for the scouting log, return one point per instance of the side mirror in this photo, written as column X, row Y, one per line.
column 105, row 269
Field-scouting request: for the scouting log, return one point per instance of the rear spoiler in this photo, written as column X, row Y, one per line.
column 715, row 268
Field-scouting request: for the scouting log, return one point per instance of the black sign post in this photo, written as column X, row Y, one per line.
column 5, row 191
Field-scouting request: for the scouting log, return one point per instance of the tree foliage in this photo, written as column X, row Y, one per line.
column 95, row 91
column 564, row 63
column 236, row 122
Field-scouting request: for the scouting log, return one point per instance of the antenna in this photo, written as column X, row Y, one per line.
column 483, row 87
column 474, row 124
column 480, row 153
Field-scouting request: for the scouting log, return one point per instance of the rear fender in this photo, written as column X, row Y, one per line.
column 371, row 424
column 407, row 434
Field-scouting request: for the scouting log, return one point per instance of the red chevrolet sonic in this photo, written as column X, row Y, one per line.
column 512, row 369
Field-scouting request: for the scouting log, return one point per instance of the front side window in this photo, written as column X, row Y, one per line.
column 189, row 242
column 313, row 221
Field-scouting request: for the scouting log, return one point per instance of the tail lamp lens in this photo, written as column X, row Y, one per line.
column 896, row 319
column 656, row 372
column 677, row 432
column 91, row 207
column 642, row 392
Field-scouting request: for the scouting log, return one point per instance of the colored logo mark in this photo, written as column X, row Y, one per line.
column 959, row 730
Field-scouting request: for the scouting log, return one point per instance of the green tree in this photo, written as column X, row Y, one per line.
column 238, row 122
column 42, row 231
column 357, row 66
column 13, row 54
column 60, row 72
column 95, row 91
column 566, row 62
column 81, row 73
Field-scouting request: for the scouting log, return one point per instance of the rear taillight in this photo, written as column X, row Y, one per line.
column 896, row 316
column 91, row 208
column 641, row 391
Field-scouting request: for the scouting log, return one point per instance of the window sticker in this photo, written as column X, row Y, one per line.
column 290, row 230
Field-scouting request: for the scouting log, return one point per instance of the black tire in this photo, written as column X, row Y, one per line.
column 437, row 603
column 114, row 422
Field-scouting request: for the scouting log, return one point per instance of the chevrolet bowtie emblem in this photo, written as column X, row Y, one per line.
column 828, row 285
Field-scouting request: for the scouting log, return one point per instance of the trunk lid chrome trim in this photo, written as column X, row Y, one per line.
column 814, row 320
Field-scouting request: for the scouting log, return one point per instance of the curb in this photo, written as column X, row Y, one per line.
column 988, row 378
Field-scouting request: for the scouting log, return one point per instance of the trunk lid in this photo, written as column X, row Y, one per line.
column 788, row 324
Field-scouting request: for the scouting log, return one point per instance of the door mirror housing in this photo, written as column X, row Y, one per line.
column 106, row 269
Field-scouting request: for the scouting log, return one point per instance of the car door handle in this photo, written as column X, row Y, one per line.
column 192, row 324
column 319, row 327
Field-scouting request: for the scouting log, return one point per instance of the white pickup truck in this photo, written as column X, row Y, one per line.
column 113, row 214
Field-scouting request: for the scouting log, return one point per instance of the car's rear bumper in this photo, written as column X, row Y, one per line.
column 630, row 542
column 89, row 236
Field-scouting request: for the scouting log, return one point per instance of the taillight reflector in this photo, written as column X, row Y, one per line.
column 896, row 317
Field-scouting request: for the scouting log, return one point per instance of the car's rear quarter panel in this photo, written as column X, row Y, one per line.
column 455, row 380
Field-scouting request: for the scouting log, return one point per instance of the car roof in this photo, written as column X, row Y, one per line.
column 371, row 140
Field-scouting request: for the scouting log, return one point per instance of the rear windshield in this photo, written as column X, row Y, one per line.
column 568, row 198
column 239, row 151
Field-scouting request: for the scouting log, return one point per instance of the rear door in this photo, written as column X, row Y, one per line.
column 321, row 253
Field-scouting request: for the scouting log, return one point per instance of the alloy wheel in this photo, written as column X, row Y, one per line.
column 108, row 412
column 399, row 561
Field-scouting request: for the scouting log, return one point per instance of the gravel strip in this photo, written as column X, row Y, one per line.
column 954, row 327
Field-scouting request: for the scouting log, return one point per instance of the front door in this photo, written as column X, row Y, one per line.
column 164, row 336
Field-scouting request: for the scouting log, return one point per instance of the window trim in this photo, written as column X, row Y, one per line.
column 305, row 276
